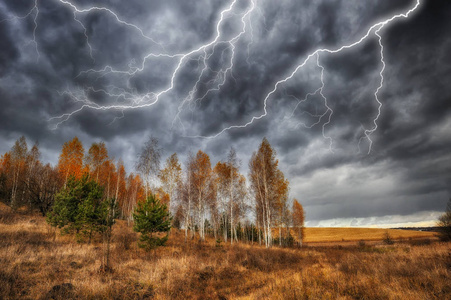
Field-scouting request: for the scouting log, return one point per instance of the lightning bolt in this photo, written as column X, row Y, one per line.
column 212, row 79
column 328, row 111
column 368, row 132
column 152, row 98
column 376, row 28
column 221, row 76
column 76, row 10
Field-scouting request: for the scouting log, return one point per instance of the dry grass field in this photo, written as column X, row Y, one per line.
column 36, row 264
column 330, row 235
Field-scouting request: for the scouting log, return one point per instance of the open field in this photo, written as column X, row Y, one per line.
column 36, row 264
column 328, row 235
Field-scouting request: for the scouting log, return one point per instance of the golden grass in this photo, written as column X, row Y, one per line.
column 35, row 264
column 315, row 235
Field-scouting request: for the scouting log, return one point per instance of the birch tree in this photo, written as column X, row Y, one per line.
column 97, row 155
column 184, row 190
column 298, row 220
column 70, row 162
column 263, row 176
column 18, row 160
column 203, row 188
column 170, row 177
column 148, row 163
column 231, row 190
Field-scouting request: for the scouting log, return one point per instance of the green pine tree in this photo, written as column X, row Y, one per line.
column 92, row 210
column 79, row 208
column 151, row 217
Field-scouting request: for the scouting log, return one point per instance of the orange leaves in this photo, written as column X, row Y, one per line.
column 298, row 213
column 270, row 188
column 70, row 162
column 97, row 159
column 298, row 218
column 121, row 188
column 162, row 196
column 201, row 168
column 225, row 171
column 5, row 162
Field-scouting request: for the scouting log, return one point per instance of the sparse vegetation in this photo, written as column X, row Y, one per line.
column 388, row 240
column 271, row 256
column 34, row 266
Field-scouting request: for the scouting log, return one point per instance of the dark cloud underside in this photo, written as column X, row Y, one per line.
column 44, row 73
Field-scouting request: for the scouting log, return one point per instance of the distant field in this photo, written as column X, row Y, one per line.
column 327, row 235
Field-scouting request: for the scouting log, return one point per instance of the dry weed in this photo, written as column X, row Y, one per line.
column 36, row 264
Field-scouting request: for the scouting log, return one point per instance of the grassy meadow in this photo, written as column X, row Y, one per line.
column 36, row 263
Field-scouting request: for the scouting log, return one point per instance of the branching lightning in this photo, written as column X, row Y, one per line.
column 368, row 132
column 211, row 78
column 376, row 28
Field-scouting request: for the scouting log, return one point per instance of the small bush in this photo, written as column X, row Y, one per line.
column 388, row 240
column 444, row 222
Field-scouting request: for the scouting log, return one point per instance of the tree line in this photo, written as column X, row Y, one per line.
column 204, row 199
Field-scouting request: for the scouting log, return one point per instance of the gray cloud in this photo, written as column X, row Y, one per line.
column 407, row 172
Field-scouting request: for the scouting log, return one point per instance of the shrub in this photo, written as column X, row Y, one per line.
column 444, row 222
column 388, row 240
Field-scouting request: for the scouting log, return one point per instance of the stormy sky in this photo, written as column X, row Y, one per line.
column 214, row 74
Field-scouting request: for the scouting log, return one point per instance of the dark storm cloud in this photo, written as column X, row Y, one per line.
column 9, row 53
column 407, row 172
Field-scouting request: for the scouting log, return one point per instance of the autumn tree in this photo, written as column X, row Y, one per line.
column 3, row 187
column 231, row 190
column 70, row 162
column 298, row 218
column 265, row 179
column 281, row 189
column 25, row 180
column 184, row 190
column 202, row 187
column 107, row 177
column 97, row 156
column 18, row 168
column 148, row 163
column 135, row 193
column 6, row 171
column 121, row 186
column 178, row 217
column 43, row 185
column 170, row 177
column 31, row 169
column 18, row 155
